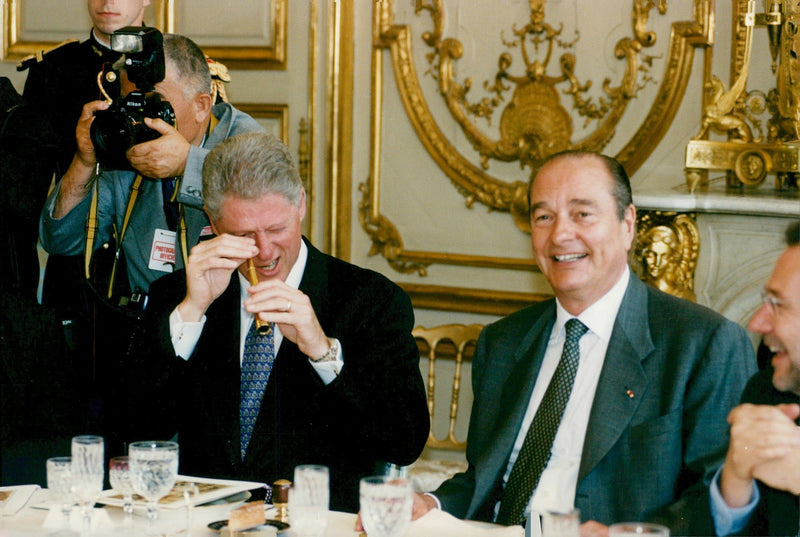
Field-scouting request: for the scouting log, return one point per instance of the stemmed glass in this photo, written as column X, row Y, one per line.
column 59, row 483
column 87, row 475
column 557, row 524
column 308, row 500
column 385, row 505
column 153, row 467
column 637, row 529
column 119, row 476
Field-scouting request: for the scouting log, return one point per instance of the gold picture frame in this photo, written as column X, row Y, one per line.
column 17, row 43
column 261, row 56
column 273, row 117
column 162, row 15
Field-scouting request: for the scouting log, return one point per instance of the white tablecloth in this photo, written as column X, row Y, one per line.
column 29, row 522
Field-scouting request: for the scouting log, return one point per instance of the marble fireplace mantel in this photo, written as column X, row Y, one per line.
column 740, row 237
column 720, row 202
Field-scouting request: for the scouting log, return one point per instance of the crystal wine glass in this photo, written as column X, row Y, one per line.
column 385, row 505
column 308, row 500
column 59, row 483
column 119, row 476
column 87, row 475
column 153, row 467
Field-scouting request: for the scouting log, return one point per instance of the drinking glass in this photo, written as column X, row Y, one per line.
column 637, row 529
column 555, row 524
column 119, row 476
column 189, row 491
column 59, row 483
column 385, row 505
column 153, row 467
column 87, row 475
column 308, row 500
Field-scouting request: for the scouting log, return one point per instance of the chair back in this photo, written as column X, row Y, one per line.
column 454, row 342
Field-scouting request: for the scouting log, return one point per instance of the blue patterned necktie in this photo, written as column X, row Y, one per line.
column 536, row 448
column 257, row 359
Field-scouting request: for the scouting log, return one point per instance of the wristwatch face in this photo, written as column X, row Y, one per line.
column 331, row 355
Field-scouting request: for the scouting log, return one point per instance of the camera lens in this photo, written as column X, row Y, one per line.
column 112, row 134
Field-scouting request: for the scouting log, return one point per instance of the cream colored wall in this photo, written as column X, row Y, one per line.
column 416, row 196
column 419, row 198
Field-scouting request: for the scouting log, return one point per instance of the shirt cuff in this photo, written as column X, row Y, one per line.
column 728, row 520
column 184, row 335
column 328, row 371
column 438, row 502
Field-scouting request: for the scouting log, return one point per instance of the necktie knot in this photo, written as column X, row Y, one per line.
column 575, row 330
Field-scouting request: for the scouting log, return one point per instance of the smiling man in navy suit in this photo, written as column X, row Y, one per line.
column 643, row 426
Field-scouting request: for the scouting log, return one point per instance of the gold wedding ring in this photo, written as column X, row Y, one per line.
column 288, row 306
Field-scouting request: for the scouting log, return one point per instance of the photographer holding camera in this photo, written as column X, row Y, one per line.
column 147, row 232
column 131, row 211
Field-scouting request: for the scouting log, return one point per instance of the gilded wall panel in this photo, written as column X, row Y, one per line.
column 477, row 97
column 252, row 36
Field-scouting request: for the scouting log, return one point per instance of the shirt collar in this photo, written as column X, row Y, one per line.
column 294, row 277
column 97, row 42
column 600, row 317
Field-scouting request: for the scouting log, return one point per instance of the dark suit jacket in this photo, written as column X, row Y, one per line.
column 777, row 513
column 375, row 411
column 643, row 455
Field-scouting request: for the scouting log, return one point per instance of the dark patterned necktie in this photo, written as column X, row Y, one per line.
column 536, row 448
column 257, row 359
column 170, row 205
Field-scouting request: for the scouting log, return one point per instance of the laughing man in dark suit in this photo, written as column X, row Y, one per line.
column 344, row 390
column 756, row 491
column 644, row 426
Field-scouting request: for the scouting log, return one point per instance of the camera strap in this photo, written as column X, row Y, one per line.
column 91, row 221
column 92, row 225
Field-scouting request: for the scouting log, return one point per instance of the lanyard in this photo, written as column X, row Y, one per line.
column 91, row 222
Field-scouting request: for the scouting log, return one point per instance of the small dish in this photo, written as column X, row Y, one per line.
column 238, row 498
column 277, row 524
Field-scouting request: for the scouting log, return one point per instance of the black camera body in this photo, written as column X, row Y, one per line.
column 121, row 125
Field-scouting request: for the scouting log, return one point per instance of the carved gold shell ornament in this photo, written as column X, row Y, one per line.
column 534, row 98
column 534, row 122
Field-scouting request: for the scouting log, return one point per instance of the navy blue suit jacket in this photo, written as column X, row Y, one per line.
column 644, row 457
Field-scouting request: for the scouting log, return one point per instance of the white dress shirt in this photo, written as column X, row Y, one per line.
column 556, row 488
column 185, row 335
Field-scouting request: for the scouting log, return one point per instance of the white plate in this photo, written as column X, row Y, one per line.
column 209, row 491
column 13, row 499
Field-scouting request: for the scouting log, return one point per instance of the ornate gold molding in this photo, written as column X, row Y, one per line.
column 339, row 104
column 468, row 300
column 471, row 180
column 667, row 246
column 14, row 47
column 272, row 56
column 752, row 147
column 684, row 37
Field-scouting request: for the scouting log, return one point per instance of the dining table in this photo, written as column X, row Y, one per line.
column 38, row 517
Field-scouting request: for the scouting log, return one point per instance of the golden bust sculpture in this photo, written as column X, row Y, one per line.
column 666, row 260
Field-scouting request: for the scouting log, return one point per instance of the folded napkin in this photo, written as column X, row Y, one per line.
column 438, row 523
column 13, row 499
